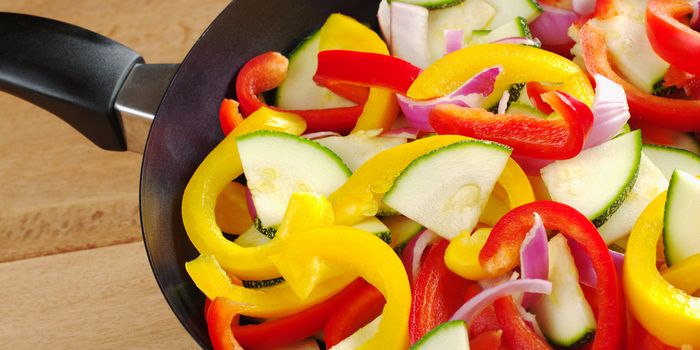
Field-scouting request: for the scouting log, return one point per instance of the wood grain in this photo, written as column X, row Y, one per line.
column 104, row 298
column 59, row 192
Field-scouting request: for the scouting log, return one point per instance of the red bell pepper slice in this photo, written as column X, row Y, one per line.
column 676, row 114
column 606, row 9
column 268, row 71
column 437, row 294
column 527, row 135
column 219, row 316
column 670, row 36
column 490, row 340
column 639, row 339
column 365, row 69
column 501, row 254
column 291, row 329
column 516, row 333
column 364, row 307
column 534, row 90
column 229, row 117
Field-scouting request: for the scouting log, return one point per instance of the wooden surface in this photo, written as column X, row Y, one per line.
column 73, row 270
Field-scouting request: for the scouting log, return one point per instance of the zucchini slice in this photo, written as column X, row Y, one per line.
column 402, row 229
column 598, row 180
column 375, row 227
column 681, row 219
column 358, row 147
column 277, row 164
column 449, row 335
column 506, row 10
column 668, row 159
column 445, row 190
column 432, row 4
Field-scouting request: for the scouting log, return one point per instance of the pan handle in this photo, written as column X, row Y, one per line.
column 71, row 72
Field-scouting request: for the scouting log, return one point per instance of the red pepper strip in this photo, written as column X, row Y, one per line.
column 639, row 339
column 534, row 91
column 219, row 316
column 670, row 36
column 354, row 93
column 501, row 253
column 229, row 117
column 366, row 305
column 437, row 294
column 606, row 9
column 268, row 71
column 688, row 82
column 291, row 329
column 486, row 341
column 516, row 333
column 365, row 69
column 681, row 115
column 551, row 138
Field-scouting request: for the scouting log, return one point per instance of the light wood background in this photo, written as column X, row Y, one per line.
column 73, row 270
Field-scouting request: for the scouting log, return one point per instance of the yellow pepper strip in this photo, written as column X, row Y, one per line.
column 341, row 32
column 270, row 302
column 360, row 253
column 512, row 190
column 668, row 313
column 362, row 194
column 520, row 64
column 495, row 208
column 462, row 254
column 232, row 209
column 217, row 170
column 685, row 274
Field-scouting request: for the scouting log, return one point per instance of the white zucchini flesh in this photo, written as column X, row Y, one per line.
column 564, row 316
column 445, row 190
column 449, row 335
column 468, row 16
column 277, row 164
column 668, row 159
column 598, row 179
column 516, row 27
column 298, row 90
column 252, row 238
column 650, row 182
column 375, row 227
column 402, row 229
column 355, row 149
column 681, row 220
column 360, row 336
column 506, row 10
column 631, row 51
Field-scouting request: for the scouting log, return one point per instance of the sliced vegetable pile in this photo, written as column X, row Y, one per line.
column 460, row 183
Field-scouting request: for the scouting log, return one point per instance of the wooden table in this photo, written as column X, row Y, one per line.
column 73, row 270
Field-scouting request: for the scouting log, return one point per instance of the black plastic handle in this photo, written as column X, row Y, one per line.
column 69, row 71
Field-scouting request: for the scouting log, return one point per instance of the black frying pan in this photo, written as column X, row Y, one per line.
column 77, row 75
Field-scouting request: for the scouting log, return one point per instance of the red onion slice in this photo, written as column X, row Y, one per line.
column 618, row 260
column 403, row 133
column 531, row 320
column 470, row 94
column 503, row 103
column 475, row 305
column 251, row 206
column 454, row 39
column 320, row 135
column 519, row 40
column 409, row 33
column 696, row 14
column 534, row 258
column 584, row 265
column 610, row 111
column 413, row 252
column 552, row 26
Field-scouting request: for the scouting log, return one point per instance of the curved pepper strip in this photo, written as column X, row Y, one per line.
column 551, row 138
column 684, row 275
column 284, row 331
column 365, row 306
column 229, row 117
column 218, row 169
column 516, row 334
column 462, row 255
column 266, row 72
column 219, row 315
column 670, row 36
column 668, row 313
column 360, row 253
column 437, row 293
column 362, row 194
column 500, row 254
column 676, row 114
column 520, row 64
column 639, row 339
column 342, row 32
column 231, row 209
column 270, row 302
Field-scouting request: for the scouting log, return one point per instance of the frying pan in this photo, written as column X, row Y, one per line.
column 107, row 93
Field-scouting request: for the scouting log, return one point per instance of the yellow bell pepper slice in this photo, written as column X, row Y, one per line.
column 361, row 196
column 232, row 209
column 685, row 275
column 217, row 170
column 462, row 254
column 512, row 189
column 341, row 32
column 668, row 313
column 362, row 254
column 270, row 302
column 520, row 64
